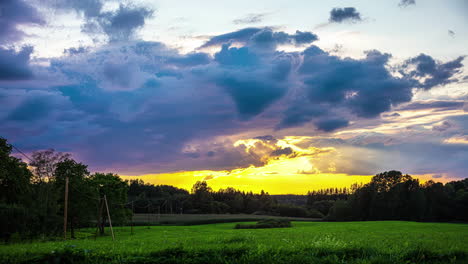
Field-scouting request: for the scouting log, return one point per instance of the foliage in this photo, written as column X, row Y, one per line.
column 15, row 177
column 267, row 223
column 394, row 196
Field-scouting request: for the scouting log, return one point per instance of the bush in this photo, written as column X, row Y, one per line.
column 314, row 214
column 267, row 223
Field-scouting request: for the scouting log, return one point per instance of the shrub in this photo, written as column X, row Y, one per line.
column 314, row 214
column 267, row 223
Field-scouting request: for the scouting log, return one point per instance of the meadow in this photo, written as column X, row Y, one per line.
column 304, row 242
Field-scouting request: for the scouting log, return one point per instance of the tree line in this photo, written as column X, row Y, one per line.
column 394, row 196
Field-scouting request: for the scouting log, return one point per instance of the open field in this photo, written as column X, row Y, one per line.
column 193, row 219
column 305, row 242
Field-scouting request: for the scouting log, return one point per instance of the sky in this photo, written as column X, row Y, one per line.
column 284, row 96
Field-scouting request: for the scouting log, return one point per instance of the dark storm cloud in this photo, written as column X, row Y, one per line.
column 434, row 73
column 346, row 14
column 328, row 125
column 262, row 37
column 14, row 65
column 241, row 35
column 364, row 87
column 15, row 13
column 405, row 3
column 122, row 24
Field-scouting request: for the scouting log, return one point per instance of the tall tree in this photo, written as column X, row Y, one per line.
column 80, row 194
column 115, row 190
column 15, row 178
column 45, row 162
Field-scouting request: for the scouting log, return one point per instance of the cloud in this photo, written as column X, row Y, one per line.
column 346, row 14
column 441, row 127
column 406, row 3
column 431, row 104
column 282, row 151
column 87, row 8
column 451, row 33
column 120, row 24
column 156, row 101
column 328, row 125
column 261, row 38
column 14, row 65
column 13, row 14
column 250, row 19
column 457, row 140
column 75, row 51
column 392, row 115
column 432, row 73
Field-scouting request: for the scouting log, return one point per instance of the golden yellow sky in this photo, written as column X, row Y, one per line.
column 293, row 173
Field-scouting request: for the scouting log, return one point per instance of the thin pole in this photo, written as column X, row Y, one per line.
column 131, row 226
column 65, row 211
column 108, row 216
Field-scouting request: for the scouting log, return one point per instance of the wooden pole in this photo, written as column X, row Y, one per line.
column 108, row 216
column 131, row 227
column 65, row 210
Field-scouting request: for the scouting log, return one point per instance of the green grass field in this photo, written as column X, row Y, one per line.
column 305, row 242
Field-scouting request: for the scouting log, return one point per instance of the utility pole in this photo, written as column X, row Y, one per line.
column 108, row 216
column 65, row 211
column 131, row 227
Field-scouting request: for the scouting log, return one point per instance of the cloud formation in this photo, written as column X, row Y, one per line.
column 261, row 38
column 14, row 65
column 250, row 19
column 346, row 14
column 405, row 3
column 13, row 14
column 156, row 109
column 119, row 25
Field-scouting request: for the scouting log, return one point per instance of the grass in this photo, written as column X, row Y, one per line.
column 305, row 242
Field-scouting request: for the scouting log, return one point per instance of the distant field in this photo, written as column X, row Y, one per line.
column 191, row 219
column 305, row 242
